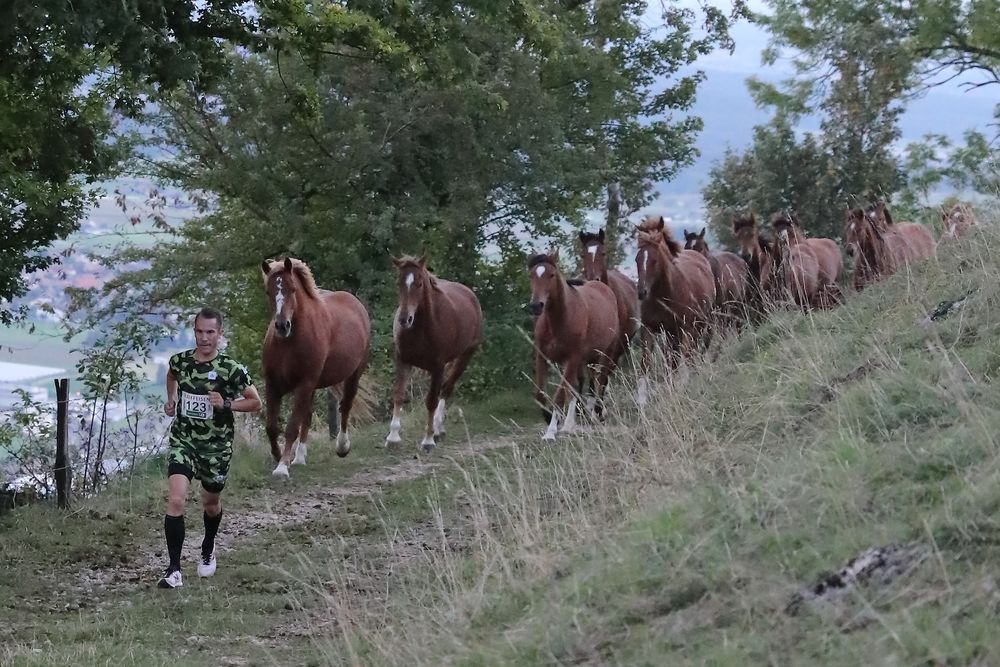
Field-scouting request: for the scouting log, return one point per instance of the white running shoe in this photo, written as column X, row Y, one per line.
column 170, row 579
column 206, row 568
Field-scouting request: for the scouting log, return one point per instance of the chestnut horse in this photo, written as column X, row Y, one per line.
column 316, row 339
column 756, row 252
column 577, row 326
column 732, row 278
column 676, row 296
column 595, row 267
column 791, row 271
column 829, row 261
column 437, row 327
column 917, row 241
column 958, row 220
column 873, row 250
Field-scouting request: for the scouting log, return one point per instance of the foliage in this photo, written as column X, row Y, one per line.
column 470, row 135
column 68, row 72
column 111, row 370
column 779, row 172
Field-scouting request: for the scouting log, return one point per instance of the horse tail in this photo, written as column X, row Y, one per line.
column 363, row 407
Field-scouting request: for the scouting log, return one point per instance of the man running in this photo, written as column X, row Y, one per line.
column 204, row 388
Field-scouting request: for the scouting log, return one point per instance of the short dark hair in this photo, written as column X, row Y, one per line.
column 209, row 314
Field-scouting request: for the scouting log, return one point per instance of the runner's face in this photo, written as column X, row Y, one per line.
column 206, row 335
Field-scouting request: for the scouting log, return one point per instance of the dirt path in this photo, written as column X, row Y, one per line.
column 270, row 508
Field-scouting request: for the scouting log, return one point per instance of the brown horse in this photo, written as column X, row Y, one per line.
column 577, row 326
column 595, row 267
column 437, row 327
column 829, row 261
column 732, row 278
column 866, row 243
column 913, row 241
column 958, row 220
column 316, row 339
column 791, row 271
column 756, row 252
column 676, row 297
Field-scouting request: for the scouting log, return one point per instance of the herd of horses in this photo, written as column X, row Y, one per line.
column 682, row 296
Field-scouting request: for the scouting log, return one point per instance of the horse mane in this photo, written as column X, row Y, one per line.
column 575, row 282
column 591, row 237
column 541, row 258
column 412, row 260
column 673, row 247
column 301, row 271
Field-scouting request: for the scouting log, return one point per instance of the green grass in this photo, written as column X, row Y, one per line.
column 675, row 535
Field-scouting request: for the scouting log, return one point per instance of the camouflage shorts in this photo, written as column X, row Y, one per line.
column 210, row 469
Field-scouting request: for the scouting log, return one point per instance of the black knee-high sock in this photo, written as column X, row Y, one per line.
column 173, row 528
column 211, row 529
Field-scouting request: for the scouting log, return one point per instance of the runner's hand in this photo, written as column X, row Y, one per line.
column 169, row 407
column 215, row 398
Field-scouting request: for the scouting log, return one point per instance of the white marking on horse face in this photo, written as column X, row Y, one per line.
column 644, row 254
column 852, row 226
column 279, row 296
column 593, row 251
column 540, row 270
column 409, row 280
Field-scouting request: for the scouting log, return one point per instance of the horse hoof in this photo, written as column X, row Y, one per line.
column 393, row 445
column 300, row 455
column 427, row 445
column 343, row 445
column 548, row 436
column 281, row 471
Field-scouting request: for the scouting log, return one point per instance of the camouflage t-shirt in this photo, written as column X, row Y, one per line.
column 196, row 423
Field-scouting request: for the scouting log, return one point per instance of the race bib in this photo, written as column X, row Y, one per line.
column 195, row 406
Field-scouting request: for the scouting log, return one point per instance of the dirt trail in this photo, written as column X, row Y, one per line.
column 270, row 508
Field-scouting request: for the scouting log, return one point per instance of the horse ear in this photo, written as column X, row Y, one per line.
column 583, row 236
column 661, row 223
column 600, row 235
column 265, row 267
column 702, row 235
column 423, row 260
column 396, row 261
column 288, row 264
column 554, row 254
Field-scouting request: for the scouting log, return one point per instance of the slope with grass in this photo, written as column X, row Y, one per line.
column 696, row 532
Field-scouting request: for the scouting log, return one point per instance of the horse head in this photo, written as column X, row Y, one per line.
column 283, row 285
column 543, row 269
column 745, row 231
column 855, row 230
column 413, row 280
column 595, row 263
column 696, row 242
column 656, row 250
column 786, row 227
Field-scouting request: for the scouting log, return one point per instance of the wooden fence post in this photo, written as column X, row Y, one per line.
column 63, row 471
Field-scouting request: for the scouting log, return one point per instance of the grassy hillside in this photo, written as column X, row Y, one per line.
column 690, row 533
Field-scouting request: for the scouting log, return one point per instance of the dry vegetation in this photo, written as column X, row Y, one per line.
column 695, row 532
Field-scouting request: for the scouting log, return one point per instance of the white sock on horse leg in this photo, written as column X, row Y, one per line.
column 394, row 426
column 300, row 453
column 550, row 432
column 343, row 443
column 439, row 418
column 570, row 424
column 281, row 470
column 592, row 406
column 642, row 396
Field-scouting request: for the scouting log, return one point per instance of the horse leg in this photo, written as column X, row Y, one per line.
column 302, row 406
column 301, row 448
column 433, row 397
column 564, row 393
column 332, row 404
column 346, row 403
column 642, row 396
column 541, row 372
column 398, row 395
column 272, row 428
column 455, row 370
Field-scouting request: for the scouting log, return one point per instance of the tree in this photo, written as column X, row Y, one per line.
column 67, row 71
column 468, row 134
